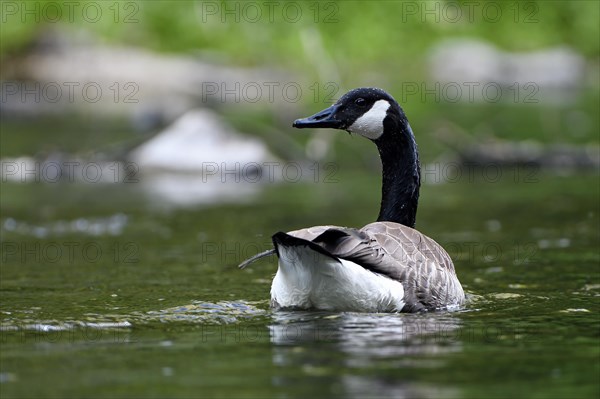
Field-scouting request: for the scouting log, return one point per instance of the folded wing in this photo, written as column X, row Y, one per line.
column 398, row 252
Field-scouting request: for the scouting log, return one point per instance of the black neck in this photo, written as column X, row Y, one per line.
column 401, row 172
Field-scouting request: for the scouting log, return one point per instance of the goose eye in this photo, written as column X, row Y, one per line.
column 360, row 101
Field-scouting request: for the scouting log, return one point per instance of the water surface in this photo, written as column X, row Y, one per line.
column 107, row 293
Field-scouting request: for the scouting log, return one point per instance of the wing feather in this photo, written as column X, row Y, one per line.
column 398, row 252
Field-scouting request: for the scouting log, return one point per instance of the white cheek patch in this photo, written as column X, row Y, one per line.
column 370, row 125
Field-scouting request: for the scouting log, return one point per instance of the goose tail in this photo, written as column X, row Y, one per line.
column 256, row 257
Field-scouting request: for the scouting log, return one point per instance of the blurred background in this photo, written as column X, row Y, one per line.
column 146, row 149
column 505, row 83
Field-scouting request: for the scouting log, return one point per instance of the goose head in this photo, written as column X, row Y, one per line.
column 366, row 111
column 374, row 114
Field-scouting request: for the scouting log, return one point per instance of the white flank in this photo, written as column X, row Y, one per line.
column 308, row 279
column 370, row 124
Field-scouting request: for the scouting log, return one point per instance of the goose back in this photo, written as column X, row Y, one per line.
column 399, row 252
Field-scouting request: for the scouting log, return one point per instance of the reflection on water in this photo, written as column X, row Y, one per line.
column 112, row 225
column 188, row 190
column 321, row 343
column 363, row 387
column 362, row 332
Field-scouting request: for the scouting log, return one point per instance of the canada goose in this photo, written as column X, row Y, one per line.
column 386, row 266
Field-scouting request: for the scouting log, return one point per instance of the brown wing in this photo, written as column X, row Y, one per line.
column 399, row 252
column 310, row 233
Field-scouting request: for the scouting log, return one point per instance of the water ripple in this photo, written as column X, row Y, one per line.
column 224, row 312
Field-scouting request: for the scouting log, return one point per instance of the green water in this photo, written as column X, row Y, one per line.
column 105, row 293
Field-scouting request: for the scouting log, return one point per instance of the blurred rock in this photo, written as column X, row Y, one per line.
column 198, row 159
column 491, row 151
column 564, row 157
column 173, row 190
column 552, row 75
column 198, row 140
column 201, row 159
column 64, row 71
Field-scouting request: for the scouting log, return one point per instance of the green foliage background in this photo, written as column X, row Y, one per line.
column 383, row 43
column 364, row 32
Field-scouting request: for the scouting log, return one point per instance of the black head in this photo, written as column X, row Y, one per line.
column 374, row 114
column 361, row 111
